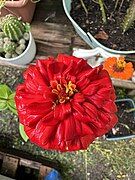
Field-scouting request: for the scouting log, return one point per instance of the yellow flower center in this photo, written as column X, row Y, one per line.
column 64, row 92
column 120, row 64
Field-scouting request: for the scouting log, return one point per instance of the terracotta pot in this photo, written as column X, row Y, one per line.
column 19, row 8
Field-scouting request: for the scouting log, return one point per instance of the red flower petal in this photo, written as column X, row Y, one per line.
column 64, row 104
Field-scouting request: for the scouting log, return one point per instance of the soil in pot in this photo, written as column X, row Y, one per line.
column 109, row 34
column 126, row 121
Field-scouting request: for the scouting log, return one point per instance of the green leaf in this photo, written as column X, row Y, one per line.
column 5, row 91
column 22, row 132
column 11, row 103
column 12, row 109
column 3, row 104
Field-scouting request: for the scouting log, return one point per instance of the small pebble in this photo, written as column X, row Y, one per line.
column 87, row 21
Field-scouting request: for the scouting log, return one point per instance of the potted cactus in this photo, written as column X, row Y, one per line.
column 20, row 8
column 17, row 45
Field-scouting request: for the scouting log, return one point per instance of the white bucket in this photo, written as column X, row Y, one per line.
column 87, row 37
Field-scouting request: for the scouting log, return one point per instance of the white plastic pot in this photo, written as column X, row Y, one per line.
column 87, row 37
column 26, row 57
column 94, row 57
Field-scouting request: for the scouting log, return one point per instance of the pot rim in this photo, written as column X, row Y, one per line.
column 122, row 137
column 125, row 99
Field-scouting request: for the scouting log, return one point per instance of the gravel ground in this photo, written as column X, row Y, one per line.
column 10, row 76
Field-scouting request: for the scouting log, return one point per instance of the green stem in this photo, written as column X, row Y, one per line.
column 84, row 7
column 3, row 99
column 116, row 4
column 121, row 5
column 130, row 110
column 127, row 127
column 101, row 4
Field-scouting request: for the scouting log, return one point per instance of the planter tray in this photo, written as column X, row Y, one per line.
column 123, row 83
column 5, row 178
column 13, row 161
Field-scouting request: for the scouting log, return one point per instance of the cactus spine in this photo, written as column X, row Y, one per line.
column 12, row 27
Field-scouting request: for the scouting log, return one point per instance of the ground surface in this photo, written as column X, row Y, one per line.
column 103, row 160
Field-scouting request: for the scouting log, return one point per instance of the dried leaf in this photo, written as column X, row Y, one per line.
column 102, row 35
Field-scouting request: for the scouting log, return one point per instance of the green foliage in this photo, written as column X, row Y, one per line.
column 11, row 103
column 121, row 93
column 129, row 17
column 7, row 98
column 5, row 91
column 102, row 9
column 84, row 7
column 7, row 102
column 22, row 133
column 101, row 4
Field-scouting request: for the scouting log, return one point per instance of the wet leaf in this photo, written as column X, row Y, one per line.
column 3, row 104
column 11, row 103
column 5, row 91
column 22, row 133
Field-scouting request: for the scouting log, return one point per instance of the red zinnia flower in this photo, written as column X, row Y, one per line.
column 64, row 104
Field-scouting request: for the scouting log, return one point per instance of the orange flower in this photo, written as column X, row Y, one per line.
column 118, row 68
